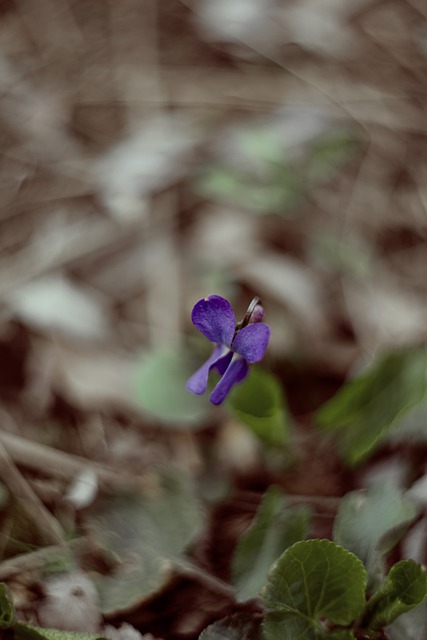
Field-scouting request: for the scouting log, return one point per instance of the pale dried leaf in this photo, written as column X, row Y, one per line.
column 83, row 490
column 124, row 632
column 414, row 543
column 249, row 25
column 418, row 492
column 384, row 313
column 149, row 160
column 71, row 603
column 292, row 284
column 96, row 377
column 55, row 304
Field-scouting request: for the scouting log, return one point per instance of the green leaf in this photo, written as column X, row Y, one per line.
column 275, row 528
column 240, row 626
column 369, row 523
column 278, row 626
column 7, row 608
column 21, row 531
column 328, row 153
column 333, row 253
column 412, row 428
column 279, row 190
column 363, row 411
column 313, row 580
column 410, row 626
column 29, row 632
column 218, row 182
column 293, row 628
column 262, row 145
column 258, row 402
column 404, row 588
column 161, row 388
column 148, row 534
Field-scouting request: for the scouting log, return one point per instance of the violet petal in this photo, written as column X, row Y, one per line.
column 251, row 342
column 199, row 381
column 222, row 364
column 214, row 317
column 236, row 372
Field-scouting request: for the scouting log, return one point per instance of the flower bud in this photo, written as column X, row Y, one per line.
column 257, row 314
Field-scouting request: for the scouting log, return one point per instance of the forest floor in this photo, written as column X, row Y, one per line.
column 154, row 152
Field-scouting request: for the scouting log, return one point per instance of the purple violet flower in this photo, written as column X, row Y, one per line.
column 237, row 345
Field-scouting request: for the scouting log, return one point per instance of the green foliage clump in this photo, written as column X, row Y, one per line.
column 362, row 413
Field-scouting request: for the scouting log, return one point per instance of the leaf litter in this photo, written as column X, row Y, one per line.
column 154, row 154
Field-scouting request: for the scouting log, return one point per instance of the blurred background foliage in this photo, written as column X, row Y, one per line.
column 155, row 152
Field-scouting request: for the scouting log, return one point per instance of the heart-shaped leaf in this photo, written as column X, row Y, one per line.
column 312, row 581
column 275, row 527
column 161, row 392
column 148, row 534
